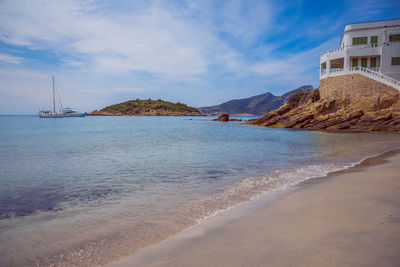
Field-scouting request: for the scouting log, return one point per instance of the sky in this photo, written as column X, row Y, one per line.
column 200, row 53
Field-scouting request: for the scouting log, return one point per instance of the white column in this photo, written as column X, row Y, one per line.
column 384, row 37
column 320, row 70
column 346, row 64
column 328, row 67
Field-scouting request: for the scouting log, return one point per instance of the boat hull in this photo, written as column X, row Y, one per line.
column 51, row 115
column 72, row 115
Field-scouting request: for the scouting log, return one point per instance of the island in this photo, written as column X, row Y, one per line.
column 148, row 107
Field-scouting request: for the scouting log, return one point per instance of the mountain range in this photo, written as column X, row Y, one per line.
column 255, row 105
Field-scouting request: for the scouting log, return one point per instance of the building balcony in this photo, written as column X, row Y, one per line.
column 352, row 50
column 348, row 47
column 359, row 50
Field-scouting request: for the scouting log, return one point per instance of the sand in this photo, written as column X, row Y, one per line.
column 351, row 218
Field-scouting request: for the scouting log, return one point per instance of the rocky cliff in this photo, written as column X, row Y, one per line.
column 147, row 108
column 350, row 102
column 255, row 105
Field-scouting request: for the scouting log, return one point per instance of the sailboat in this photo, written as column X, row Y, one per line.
column 52, row 113
column 63, row 112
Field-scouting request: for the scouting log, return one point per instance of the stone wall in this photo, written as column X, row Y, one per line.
column 357, row 91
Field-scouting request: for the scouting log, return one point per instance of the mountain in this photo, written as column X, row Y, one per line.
column 147, row 108
column 255, row 105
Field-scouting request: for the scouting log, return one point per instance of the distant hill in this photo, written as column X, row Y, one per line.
column 147, row 108
column 255, row 105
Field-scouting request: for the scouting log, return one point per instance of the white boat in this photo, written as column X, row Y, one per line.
column 52, row 113
column 68, row 112
column 62, row 112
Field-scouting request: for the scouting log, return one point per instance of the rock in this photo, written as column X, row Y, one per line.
column 386, row 102
column 102, row 113
column 354, row 103
column 225, row 117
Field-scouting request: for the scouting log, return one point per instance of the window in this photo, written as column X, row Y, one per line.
column 396, row 61
column 373, row 62
column 354, row 62
column 394, row 38
column 360, row 40
column 374, row 40
column 364, row 62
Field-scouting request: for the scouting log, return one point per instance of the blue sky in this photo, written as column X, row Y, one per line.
column 197, row 52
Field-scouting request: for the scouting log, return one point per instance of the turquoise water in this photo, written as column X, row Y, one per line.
column 124, row 182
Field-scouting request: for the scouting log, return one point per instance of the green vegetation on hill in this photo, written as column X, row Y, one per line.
column 137, row 107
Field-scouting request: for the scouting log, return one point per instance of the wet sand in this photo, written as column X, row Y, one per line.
column 351, row 218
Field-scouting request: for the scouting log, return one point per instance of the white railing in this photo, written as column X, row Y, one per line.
column 346, row 47
column 332, row 51
column 370, row 73
column 340, row 49
column 333, row 72
column 378, row 76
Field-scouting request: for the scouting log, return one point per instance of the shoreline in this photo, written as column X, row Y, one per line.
column 169, row 251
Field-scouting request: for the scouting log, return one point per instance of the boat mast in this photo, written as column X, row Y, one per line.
column 54, row 100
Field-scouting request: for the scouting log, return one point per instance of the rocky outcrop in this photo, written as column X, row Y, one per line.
column 225, row 117
column 102, row 113
column 158, row 112
column 349, row 102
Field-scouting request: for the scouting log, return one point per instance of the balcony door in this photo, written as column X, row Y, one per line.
column 373, row 62
column 354, row 62
column 364, row 62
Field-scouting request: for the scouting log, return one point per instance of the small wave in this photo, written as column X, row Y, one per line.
column 253, row 187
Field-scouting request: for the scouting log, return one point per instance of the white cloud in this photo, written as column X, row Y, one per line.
column 19, row 73
column 73, row 62
column 293, row 65
column 128, row 90
column 8, row 59
column 162, row 38
column 151, row 39
column 247, row 20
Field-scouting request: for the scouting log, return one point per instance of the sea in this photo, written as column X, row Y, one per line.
column 86, row 191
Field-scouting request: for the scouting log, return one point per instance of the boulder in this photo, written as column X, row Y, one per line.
column 225, row 117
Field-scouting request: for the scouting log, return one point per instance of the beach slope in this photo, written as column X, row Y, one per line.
column 349, row 219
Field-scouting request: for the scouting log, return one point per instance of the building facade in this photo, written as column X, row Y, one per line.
column 369, row 48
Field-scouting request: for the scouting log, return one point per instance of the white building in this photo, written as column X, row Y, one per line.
column 368, row 48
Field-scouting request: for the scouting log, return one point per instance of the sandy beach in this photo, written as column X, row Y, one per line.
column 351, row 218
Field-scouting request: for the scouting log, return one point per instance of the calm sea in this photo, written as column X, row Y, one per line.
column 82, row 191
